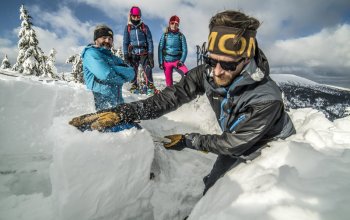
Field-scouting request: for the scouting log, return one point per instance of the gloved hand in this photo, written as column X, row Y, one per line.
column 151, row 61
column 161, row 66
column 96, row 121
column 176, row 142
column 179, row 64
column 180, row 141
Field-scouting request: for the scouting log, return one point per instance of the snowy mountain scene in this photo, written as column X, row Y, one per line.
column 52, row 170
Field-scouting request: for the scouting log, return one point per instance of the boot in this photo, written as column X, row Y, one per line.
column 134, row 89
column 150, row 90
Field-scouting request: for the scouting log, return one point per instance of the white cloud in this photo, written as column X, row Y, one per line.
column 67, row 34
column 280, row 19
column 282, row 24
column 329, row 48
column 65, row 46
column 65, row 23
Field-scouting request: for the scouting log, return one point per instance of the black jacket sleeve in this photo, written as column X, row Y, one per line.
column 167, row 100
column 258, row 120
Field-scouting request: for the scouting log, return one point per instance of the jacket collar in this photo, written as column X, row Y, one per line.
column 101, row 49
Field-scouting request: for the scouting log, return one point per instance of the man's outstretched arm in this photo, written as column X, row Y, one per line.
column 153, row 107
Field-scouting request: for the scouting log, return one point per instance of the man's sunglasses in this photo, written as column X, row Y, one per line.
column 228, row 66
column 172, row 23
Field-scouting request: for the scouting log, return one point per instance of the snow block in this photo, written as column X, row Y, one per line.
column 101, row 175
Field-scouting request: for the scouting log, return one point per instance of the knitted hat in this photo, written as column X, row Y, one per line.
column 175, row 19
column 101, row 31
column 135, row 11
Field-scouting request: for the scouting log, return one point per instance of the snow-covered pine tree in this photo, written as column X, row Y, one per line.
column 30, row 60
column 77, row 68
column 51, row 69
column 118, row 52
column 5, row 64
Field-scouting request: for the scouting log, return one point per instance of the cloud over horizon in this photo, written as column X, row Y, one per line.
column 328, row 48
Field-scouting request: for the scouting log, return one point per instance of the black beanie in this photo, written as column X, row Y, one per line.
column 103, row 31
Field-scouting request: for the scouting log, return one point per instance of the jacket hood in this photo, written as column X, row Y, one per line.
column 261, row 60
column 85, row 49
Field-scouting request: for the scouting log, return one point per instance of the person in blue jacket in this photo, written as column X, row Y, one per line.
column 105, row 73
column 138, row 48
column 172, row 51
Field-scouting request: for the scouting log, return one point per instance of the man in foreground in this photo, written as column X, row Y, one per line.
column 235, row 77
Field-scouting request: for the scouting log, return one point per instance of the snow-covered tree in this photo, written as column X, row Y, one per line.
column 77, row 68
column 51, row 69
column 5, row 63
column 30, row 60
column 118, row 52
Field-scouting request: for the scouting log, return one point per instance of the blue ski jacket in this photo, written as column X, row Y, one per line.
column 172, row 46
column 105, row 73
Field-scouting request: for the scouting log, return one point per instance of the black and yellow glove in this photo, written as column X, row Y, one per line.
column 181, row 141
column 176, row 142
column 96, row 121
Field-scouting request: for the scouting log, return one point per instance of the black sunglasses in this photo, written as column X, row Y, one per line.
column 228, row 66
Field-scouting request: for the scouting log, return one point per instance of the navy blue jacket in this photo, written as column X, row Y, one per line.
column 137, row 39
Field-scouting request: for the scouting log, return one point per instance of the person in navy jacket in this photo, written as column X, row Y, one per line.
column 105, row 73
column 138, row 48
column 172, row 51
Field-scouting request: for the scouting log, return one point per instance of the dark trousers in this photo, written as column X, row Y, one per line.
column 145, row 63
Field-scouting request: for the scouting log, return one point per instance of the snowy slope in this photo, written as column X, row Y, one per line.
column 302, row 93
column 50, row 170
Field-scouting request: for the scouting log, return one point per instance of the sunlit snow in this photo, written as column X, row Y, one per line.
column 50, row 170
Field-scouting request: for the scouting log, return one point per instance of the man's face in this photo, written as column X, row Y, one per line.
column 223, row 77
column 104, row 41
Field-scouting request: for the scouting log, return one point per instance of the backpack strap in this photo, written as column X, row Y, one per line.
column 143, row 28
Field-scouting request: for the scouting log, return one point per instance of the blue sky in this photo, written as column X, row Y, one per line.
column 310, row 35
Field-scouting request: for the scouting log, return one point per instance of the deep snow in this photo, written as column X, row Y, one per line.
column 50, row 170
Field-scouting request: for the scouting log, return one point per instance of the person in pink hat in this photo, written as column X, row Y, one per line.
column 138, row 49
column 172, row 51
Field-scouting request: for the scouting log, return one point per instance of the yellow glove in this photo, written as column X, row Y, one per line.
column 179, row 142
column 96, row 121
